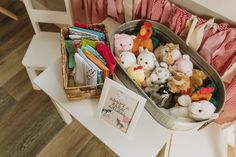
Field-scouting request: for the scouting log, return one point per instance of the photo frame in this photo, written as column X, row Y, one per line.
column 120, row 107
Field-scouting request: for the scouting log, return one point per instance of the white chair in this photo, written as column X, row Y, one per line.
column 44, row 47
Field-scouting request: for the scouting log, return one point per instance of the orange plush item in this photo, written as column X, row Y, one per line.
column 203, row 94
column 143, row 39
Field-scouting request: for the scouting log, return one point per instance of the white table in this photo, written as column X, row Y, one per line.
column 148, row 137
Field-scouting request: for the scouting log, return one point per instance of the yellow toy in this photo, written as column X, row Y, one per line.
column 136, row 73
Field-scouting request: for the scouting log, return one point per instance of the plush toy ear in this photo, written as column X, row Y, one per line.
column 175, row 54
column 117, row 36
column 141, row 49
column 186, row 57
column 164, row 65
column 133, row 37
column 153, row 77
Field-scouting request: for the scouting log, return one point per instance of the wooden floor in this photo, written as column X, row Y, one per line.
column 29, row 123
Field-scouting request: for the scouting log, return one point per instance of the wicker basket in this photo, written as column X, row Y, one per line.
column 78, row 92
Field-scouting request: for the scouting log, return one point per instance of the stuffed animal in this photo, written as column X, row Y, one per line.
column 203, row 94
column 143, row 39
column 147, row 60
column 202, row 110
column 161, row 74
column 197, row 78
column 184, row 100
column 123, row 42
column 197, row 110
column 184, row 65
column 127, row 59
column 180, row 113
column 179, row 83
column 162, row 97
column 136, row 73
column 168, row 53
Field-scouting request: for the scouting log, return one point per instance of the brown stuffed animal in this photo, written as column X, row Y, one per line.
column 143, row 39
column 197, row 78
column 179, row 83
column 167, row 53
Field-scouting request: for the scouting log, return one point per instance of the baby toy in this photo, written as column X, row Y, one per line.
column 161, row 73
column 179, row 83
column 202, row 110
column 197, row 78
column 123, row 42
column 143, row 39
column 168, row 53
column 127, row 59
column 203, row 94
column 197, row 110
column 184, row 65
column 162, row 97
column 147, row 60
column 136, row 73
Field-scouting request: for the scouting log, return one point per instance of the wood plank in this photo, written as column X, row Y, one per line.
column 29, row 126
column 19, row 85
column 96, row 148
column 68, row 142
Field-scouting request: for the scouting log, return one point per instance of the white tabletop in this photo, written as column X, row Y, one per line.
column 146, row 141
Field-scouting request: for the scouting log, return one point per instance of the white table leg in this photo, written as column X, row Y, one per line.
column 63, row 113
column 32, row 75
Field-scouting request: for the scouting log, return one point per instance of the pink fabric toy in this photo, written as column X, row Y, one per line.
column 184, row 65
column 123, row 42
column 106, row 53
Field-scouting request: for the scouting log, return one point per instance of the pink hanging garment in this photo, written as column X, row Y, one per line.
column 189, row 28
column 174, row 15
column 211, row 45
column 137, row 9
column 77, row 7
column 115, row 9
column 229, row 113
column 225, row 52
column 230, row 72
column 166, row 13
column 197, row 35
column 144, row 9
column 96, row 10
column 157, row 9
column 181, row 21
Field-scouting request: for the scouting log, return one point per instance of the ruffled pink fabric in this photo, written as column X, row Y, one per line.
column 166, row 13
column 157, row 9
column 229, row 113
column 225, row 52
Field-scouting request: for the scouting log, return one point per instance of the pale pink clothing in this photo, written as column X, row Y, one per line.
column 115, row 9
column 225, row 52
column 181, row 21
column 157, row 9
column 166, row 13
column 174, row 15
column 211, row 45
column 77, row 7
column 229, row 113
column 230, row 72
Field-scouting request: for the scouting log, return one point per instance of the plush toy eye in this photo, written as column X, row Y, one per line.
column 130, row 44
column 199, row 110
column 120, row 44
column 146, row 62
column 141, row 59
column 122, row 62
column 121, row 55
